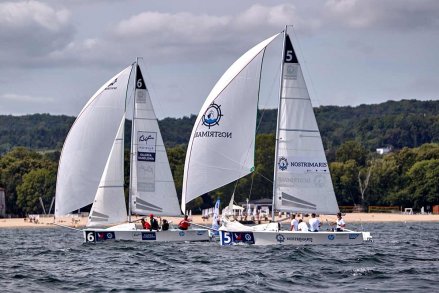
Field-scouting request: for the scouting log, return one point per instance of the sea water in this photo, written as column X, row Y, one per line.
column 404, row 257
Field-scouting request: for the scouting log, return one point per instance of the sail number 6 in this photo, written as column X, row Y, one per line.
column 139, row 83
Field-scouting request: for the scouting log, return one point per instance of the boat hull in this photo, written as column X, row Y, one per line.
column 174, row 235
column 293, row 238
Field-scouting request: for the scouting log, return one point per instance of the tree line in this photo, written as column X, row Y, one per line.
column 406, row 177
column 406, row 123
column 30, row 147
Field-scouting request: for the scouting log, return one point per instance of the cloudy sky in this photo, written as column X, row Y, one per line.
column 55, row 54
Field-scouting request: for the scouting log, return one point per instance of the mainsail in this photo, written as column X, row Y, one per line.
column 109, row 206
column 152, row 185
column 302, row 182
column 221, row 147
column 88, row 145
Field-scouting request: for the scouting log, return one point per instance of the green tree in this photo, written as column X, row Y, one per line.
column 352, row 150
column 345, row 180
column 37, row 183
column 13, row 166
column 423, row 183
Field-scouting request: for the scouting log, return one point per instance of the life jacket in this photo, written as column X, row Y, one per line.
column 146, row 226
column 184, row 224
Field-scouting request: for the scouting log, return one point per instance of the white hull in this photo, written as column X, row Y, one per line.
column 128, row 232
column 293, row 238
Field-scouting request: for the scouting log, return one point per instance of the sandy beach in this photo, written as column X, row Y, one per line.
column 80, row 222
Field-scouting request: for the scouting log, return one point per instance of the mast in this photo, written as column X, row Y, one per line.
column 277, row 124
column 130, row 189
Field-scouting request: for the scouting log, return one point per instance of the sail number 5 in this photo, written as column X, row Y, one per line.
column 289, row 56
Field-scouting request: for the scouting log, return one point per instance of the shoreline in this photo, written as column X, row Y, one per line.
column 355, row 218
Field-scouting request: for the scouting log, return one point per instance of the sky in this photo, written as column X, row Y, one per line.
column 55, row 54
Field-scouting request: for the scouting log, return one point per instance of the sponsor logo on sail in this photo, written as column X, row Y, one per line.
column 283, row 163
column 212, row 116
column 146, row 148
column 112, row 86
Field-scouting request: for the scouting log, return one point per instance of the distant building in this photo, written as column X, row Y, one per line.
column 383, row 151
column 2, row 203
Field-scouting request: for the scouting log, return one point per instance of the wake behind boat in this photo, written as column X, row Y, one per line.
column 221, row 150
column 94, row 149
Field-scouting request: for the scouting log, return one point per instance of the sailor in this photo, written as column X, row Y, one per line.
column 165, row 225
column 294, row 223
column 184, row 224
column 153, row 222
column 303, row 227
column 145, row 225
column 340, row 223
column 314, row 223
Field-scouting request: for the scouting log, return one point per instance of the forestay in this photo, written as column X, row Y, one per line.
column 225, row 125
column 302, row 182
column 88, row 145
column 152, row 185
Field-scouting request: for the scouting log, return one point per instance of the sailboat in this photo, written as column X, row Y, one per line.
column 221, row 150
column 91, row 166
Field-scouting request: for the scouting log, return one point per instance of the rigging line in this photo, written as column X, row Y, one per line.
column 259, row 92
column 315, row 94
column 251, row 185
column 268, row 179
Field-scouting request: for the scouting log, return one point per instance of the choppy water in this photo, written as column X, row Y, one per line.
column 404, row 257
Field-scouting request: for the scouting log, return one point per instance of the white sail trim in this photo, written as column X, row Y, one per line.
column 235, row 97
column 153, row 188
column 88, row 145
column 109, row 206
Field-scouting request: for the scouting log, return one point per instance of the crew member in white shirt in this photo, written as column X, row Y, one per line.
column 314, row 223
column 340, row 223
column 294, row 223
column 303, row 227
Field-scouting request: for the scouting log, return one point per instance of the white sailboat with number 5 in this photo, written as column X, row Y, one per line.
column 221, row 150
column 91, row 167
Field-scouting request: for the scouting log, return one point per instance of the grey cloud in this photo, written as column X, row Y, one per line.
column 398, row 15
column 30, row 30
column 201, row 35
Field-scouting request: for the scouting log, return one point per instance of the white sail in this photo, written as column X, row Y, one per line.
column 303, row 182
column 225, row 125
column 88, row 144
column 109, row 206
column 152, row 186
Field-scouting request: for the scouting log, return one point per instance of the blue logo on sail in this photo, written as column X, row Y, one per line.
column 283, row 163
column 212, row 116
